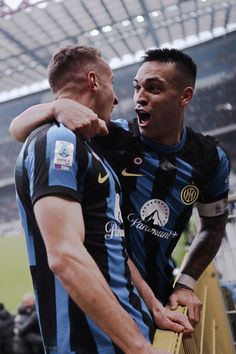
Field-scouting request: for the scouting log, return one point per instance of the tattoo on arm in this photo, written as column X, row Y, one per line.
column 205, row 245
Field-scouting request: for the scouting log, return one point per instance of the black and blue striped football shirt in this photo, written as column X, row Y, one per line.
column 160, row 185
column 54, row 161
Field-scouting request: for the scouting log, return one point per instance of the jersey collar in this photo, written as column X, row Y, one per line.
column 166, row 148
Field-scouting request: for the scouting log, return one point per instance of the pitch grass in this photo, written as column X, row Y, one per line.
column 15, row 278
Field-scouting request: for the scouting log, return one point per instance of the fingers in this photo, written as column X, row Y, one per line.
column 184, row 321
column 191, row 315
column 188, row 298
column 197, row 311
column 173, row 321
column 194, row 306
column 176, row 327
column 90, row 128
column 78, row 118
column 194, row 311
column 173, row 302
column 102, row 128
column 180, row 323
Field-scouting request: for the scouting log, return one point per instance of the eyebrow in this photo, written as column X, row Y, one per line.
column 152, row 78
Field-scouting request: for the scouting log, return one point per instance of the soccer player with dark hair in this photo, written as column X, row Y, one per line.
column 164, row 168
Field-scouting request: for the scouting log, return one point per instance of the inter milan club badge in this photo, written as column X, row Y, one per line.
column 189, row 194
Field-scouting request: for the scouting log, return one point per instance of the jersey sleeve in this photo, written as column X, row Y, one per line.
column 53, row 164
column 214, row 199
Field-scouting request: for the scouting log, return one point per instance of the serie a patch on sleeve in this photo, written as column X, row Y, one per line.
column 219, row 207
column 63, row 155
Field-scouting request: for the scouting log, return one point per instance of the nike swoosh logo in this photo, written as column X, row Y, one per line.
column 130, row 174
column 102, row 179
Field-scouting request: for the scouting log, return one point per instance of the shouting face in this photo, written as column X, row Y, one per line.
column 160, row 95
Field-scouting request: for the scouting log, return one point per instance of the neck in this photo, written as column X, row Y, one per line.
column 167, row 136
column 80, row 98
column 170, row 139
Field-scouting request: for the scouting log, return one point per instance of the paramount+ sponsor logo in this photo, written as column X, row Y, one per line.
column 154, row 215
column 189, row 194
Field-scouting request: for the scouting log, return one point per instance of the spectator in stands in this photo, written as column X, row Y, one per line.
column 6, row 330
column 164, row 168
column 27, row 337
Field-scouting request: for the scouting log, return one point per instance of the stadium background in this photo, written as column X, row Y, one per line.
column 31, row 30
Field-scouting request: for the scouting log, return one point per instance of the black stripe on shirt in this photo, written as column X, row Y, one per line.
column 165, row 177
column 44, row 279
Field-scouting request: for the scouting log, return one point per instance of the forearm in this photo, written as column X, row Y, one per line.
column 164, row 318
column 31, row 118
column 95, row 298
column 143, row 288
column 72, row 114
column 205, row 246
column 80, row 275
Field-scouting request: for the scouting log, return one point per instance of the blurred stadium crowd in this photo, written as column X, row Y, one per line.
column 19, row 333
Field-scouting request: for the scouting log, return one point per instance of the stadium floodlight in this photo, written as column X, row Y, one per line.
column 140, row 18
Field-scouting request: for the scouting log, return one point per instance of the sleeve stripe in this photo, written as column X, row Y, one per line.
column 56, row 190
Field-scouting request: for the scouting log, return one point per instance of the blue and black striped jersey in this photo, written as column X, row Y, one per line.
column 160, row 185
column 54, row 161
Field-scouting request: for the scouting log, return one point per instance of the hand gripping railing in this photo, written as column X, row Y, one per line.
column 212, row 334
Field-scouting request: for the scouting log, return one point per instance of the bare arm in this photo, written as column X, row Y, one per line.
column 72, row 114
column 164, row 318
column 31, row 118
column 205, row 245
column 202, row 251
column 79, row 274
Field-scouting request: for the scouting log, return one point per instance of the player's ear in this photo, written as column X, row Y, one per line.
column 187, row 95
column 92, row 80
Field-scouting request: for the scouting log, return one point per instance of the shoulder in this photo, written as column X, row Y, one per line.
column 52, row 131
column 120, row 137
column 202, row 141
column 47, row 135
column 204, row 149
column 55, row 143
column 206, row 156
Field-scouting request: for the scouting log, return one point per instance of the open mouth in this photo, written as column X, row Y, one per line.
column 143, row 117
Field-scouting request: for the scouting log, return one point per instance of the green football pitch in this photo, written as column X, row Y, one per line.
column 15, row 278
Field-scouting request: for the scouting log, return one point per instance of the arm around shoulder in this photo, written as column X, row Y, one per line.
column 72, row 114
column 22, row 125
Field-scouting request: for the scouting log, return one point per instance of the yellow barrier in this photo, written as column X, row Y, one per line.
column 170, row 341
column 212, row 335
